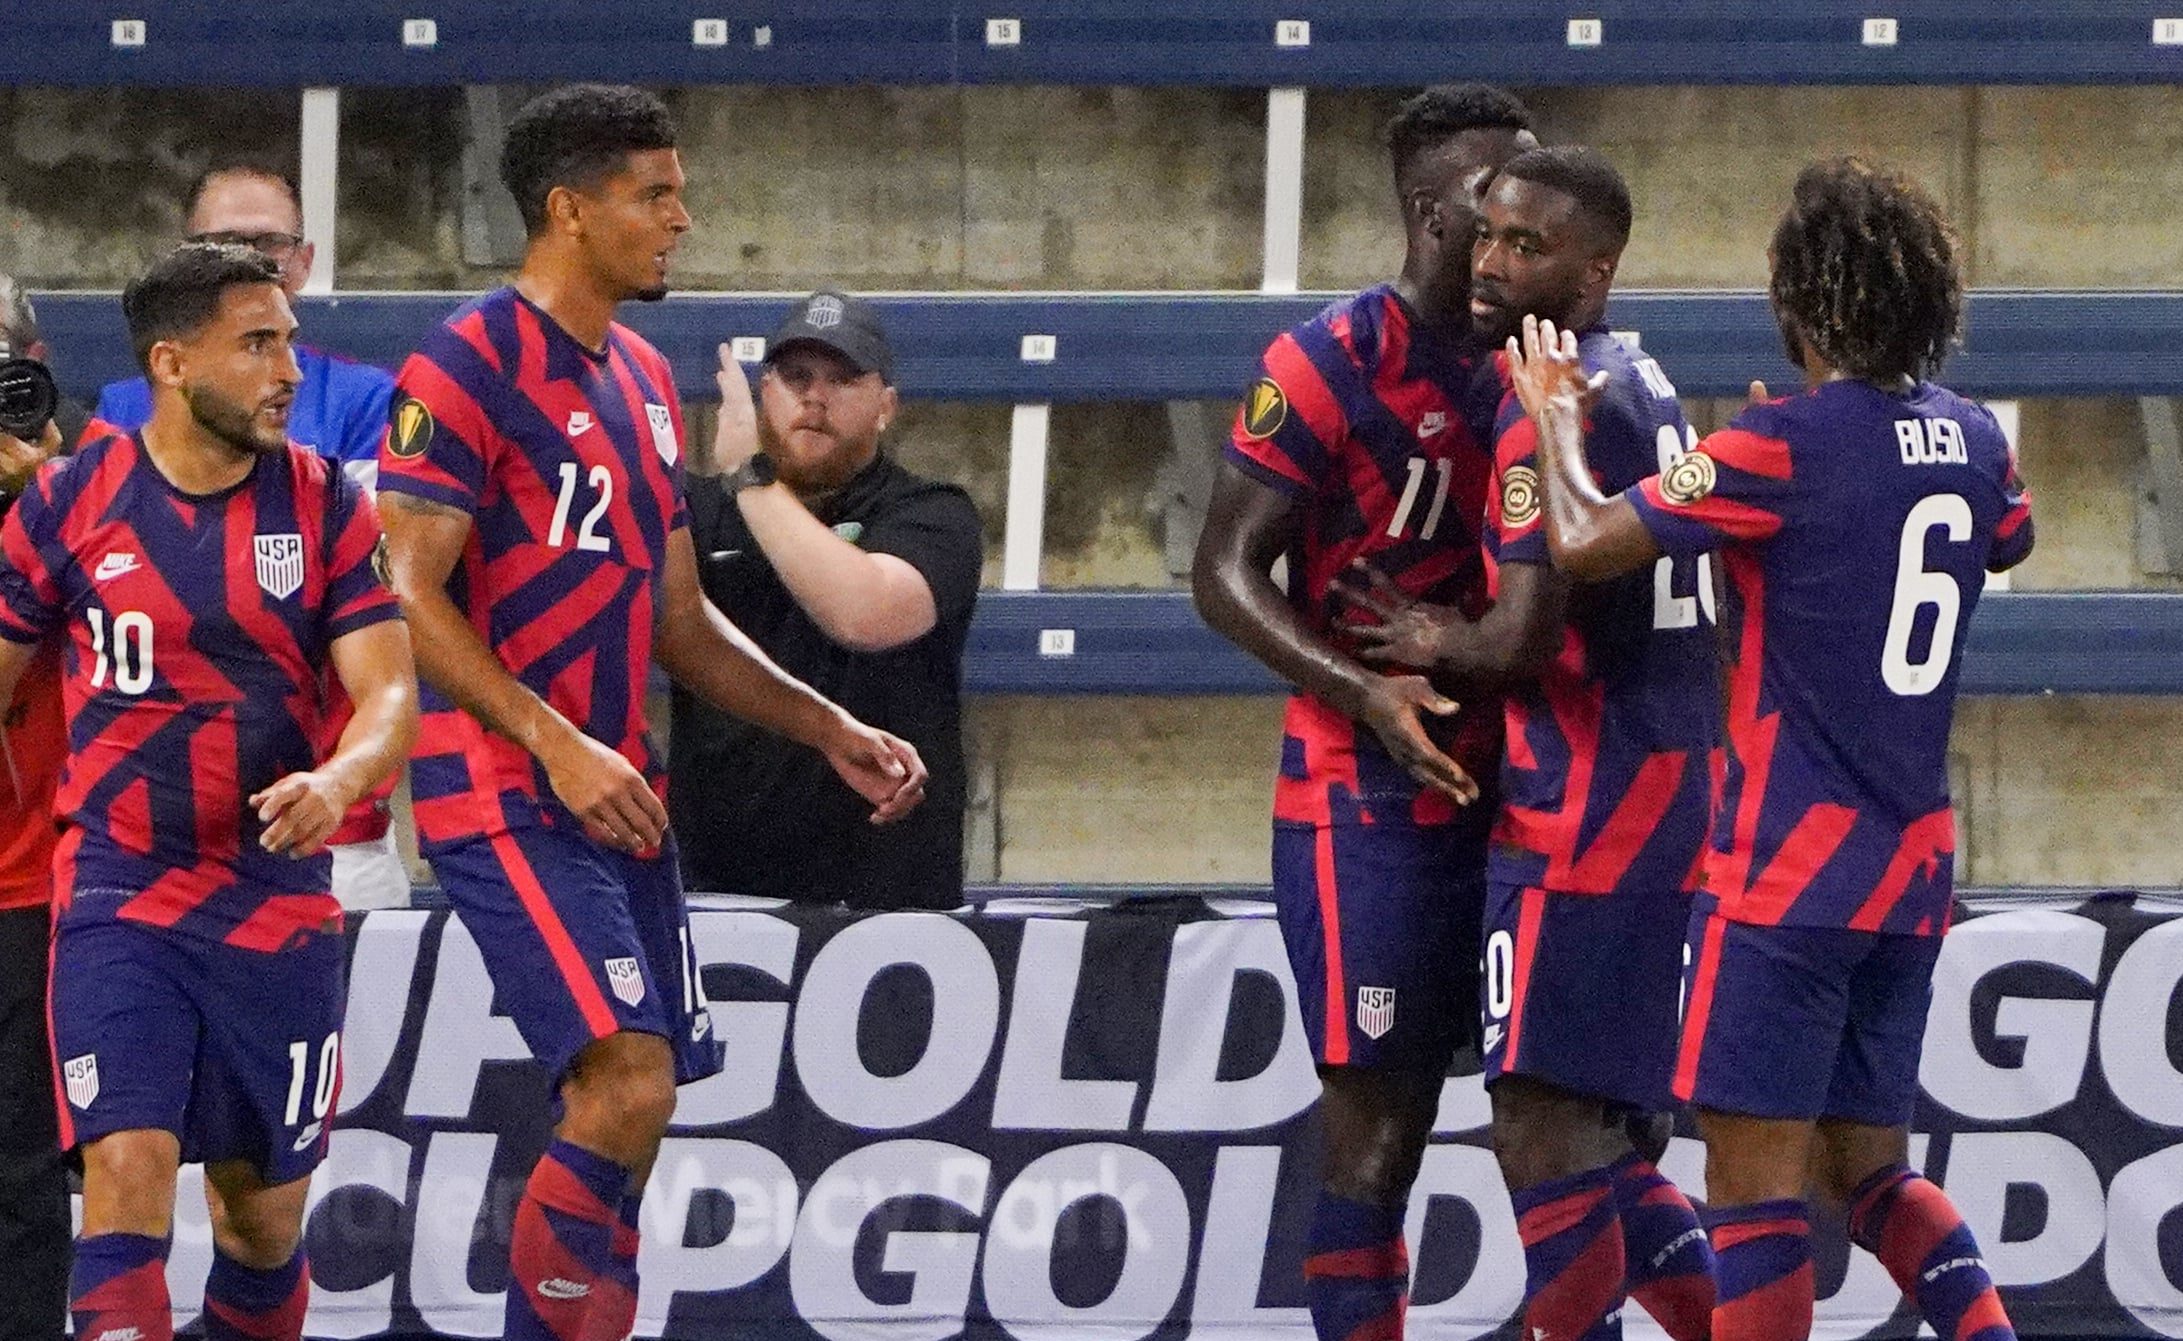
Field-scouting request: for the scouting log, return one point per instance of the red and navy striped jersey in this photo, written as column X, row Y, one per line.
column 1856, row 528
column 198, row 630
column 1606, row 785
column 1378, row 428
column 569, row 463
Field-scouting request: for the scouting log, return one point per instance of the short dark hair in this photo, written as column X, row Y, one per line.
column 1865, row 269
column 1584, row 175
column 242, row 165
column 576, row 136
column 181, row 292
column 1444, row 111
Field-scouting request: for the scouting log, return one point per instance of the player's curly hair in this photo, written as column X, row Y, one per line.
column 1440, row 113
column 1584, row 175
column 576, row 136
column 180, row 294
column 1865, row 269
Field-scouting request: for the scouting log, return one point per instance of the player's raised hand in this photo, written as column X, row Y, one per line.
column 606, row 793
column 19, row 460
column 300, row 812
column 1410, row 631
column 1391, row 709
column 884, row 769
column 1546, row 372
column 735, row 437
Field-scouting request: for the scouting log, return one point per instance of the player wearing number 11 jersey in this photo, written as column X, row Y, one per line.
column 205, row 576
column 1854, row 525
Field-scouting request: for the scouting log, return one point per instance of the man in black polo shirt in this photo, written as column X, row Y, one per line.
column 858, row 577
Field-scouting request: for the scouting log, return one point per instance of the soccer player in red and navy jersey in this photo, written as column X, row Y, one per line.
column 532, row 480
column 1854, row 525
column 203, row 575
column 1366, row 438
column 1611, row 720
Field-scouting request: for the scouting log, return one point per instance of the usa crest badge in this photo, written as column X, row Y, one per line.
column 663, row 432
column 82, row 1077
column 626, row 979
column 280, row 564
column 1375, row 1011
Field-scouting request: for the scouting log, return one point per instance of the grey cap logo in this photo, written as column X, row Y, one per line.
column 824, row 312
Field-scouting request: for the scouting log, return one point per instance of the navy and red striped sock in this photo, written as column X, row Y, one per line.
column 1912, row 1227
column 561, row 1259
column 117, row 1289
column 1573, row 1258
column 1763, row 1254
column 1356, row 1271
column 1668, row 1260
column 614, row 1305
column 245, row 1304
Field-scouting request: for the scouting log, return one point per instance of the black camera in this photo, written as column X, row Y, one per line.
column 28, row 398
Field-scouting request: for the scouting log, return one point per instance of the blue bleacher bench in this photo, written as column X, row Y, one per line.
column 1185, row 345
column 1152, row 642
column 1237, row 43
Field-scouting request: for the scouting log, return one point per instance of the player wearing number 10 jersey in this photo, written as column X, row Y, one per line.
column 532, row 479
column 1854, row 525
column 205, row 576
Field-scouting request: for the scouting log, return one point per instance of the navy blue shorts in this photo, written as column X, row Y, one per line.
column 235, row 1051
column 1381, row 925
column 1805, row 1022
column 582, row 942
column 1580, row 990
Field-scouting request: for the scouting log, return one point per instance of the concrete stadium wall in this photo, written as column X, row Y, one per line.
column 1125, row 188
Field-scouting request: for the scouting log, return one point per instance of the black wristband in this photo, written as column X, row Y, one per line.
column 755, row 473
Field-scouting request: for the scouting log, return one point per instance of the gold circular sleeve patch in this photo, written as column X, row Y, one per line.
column 1519, row 497
column 412, row 428
column 1691, row 478
column 1265, row 409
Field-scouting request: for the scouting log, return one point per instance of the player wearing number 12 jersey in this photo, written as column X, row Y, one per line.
column 204, row 575
column 1854, row 525
column 532, row 480
column 1365, row 440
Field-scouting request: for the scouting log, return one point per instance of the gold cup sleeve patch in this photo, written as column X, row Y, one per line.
column 1519, row 498
column 410, row 432
column 1691, row 478
column 1265, row 409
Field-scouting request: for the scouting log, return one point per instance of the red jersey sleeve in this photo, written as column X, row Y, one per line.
column 1735, row 486
column 1289, row 421
column 439, row 443
column 357, row 594
column 1513, row 528
column 31, row 603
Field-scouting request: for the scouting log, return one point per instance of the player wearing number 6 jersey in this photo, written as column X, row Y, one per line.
column 1854, row 524
column 205, row 575
column 532, row 479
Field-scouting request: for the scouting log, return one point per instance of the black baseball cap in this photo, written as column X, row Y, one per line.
column 849, row 326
